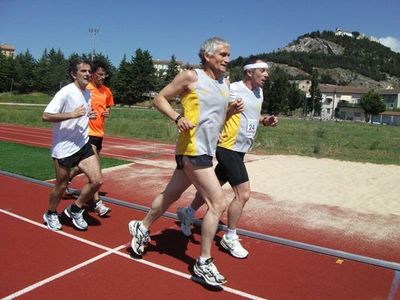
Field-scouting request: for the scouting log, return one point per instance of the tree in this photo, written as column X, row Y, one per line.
column 172, row 71
column 161, row 79
column 235, row 73
column 296, row 98
column 143, row 75
column 24, row 76
column 51, row 71
column 58, row 69
column 41, row 72
column 276, row 92
column 372, row 103
column 121, row 83
column 7, row 73
column 316, row 95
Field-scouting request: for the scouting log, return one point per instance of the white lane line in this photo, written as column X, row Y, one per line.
column 61, row 274
column 126, row 255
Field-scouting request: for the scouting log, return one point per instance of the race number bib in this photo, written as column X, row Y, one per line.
column 251, row 127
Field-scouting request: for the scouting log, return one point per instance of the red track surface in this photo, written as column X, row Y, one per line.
column 31, row 254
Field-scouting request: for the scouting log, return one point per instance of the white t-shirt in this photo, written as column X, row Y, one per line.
column 71, row 135
column 239, row 130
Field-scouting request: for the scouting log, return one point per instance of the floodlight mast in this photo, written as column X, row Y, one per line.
column 93, row 31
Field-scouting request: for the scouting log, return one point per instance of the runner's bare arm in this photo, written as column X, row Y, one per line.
column 182, row 84
column 59, row 117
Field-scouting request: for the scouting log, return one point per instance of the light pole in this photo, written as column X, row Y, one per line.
column 93, row 31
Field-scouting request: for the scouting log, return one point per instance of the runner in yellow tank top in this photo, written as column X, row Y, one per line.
column 236, row 140
column 204, row 96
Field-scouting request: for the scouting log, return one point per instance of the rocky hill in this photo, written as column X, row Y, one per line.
column 341, row 60
column 314, row 45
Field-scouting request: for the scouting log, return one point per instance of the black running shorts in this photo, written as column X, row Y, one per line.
column 230, row 167
column 73, row 160
column 97, row 141
column 199, row 160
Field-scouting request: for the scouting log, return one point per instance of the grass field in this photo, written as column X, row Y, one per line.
column 34, row 98
column 35, row 162
column 351, row 141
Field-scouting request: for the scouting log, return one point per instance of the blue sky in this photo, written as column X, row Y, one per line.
column 178, row 27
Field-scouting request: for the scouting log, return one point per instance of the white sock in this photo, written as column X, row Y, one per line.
column 202, row 260
column 231, row 234
column 143, row 228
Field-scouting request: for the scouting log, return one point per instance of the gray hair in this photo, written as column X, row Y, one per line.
column 210, row 46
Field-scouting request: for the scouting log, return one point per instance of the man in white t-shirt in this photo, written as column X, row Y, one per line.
column 69, row 111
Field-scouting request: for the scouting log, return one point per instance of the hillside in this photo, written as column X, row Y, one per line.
column 342, row 60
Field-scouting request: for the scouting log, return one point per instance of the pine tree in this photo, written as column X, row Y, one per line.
column 172, row 71
column 143, row 75
column 7, row 73
column 276, row 92
column 24, row 75
column 51, row 71
column 121, row 83
column 296, row 98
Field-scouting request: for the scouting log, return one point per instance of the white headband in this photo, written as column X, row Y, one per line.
column 262, row 65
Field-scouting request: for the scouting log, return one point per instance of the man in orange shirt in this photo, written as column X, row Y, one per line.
column 101, row 102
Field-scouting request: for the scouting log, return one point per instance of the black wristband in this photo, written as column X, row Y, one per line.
column 178, row 118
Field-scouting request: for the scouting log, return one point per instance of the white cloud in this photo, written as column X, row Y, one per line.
column 391, row 42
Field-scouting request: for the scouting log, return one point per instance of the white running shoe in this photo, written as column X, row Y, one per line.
column 76, row 217
column 101, row 209
column 139, row 238
column 234, row 247
column 186, row 220
column 52, row 221
column 209, row 272
column 70, row 192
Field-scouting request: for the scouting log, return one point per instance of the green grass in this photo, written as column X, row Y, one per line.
column 351, row 141
column 146, row 124
column 35, row 162
column 35, row 98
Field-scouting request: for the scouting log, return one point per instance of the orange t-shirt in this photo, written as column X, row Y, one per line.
column 100, row 100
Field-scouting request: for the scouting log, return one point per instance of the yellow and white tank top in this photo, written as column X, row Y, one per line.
column 205, row 107
column 239, row 130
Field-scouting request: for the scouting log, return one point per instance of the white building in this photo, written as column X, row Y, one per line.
column 161, row 66
column 7, row 50
column 343, row 102
column 347, row 96
column 342, row 32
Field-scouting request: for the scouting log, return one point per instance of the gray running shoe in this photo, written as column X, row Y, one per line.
column 139, row 238
column 52, row 221
column 77, row 218
column 186, row 220
column 209, row 273
column 101, row 209
column 70, row 192
column 234, row 247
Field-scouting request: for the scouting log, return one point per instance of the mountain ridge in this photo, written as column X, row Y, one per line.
column 353, row 60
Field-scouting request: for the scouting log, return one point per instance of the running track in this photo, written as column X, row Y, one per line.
column 40, row 264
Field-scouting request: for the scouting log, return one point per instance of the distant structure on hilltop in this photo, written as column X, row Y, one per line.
column 354, row 34
column 7, row 50
column 342, row 32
